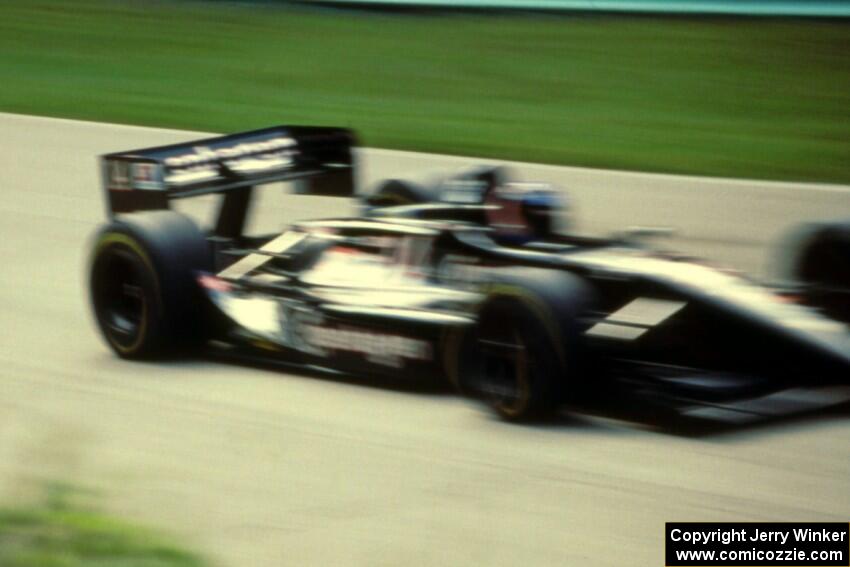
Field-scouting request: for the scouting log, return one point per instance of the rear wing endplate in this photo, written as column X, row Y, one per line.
column 149, row 178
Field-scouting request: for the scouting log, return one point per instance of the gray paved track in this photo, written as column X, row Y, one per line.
column 270, row 468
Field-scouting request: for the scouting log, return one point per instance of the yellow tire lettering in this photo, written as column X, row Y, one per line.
column 117, row 238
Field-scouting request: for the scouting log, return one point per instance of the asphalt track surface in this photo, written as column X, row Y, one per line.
column 262, row 467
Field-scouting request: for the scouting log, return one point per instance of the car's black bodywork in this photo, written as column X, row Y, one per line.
column 420, row 287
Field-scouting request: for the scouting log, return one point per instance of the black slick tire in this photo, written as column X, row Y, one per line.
column 528, row 357
column 142, row 283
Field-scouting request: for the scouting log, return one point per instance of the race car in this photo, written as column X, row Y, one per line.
column 473, row 280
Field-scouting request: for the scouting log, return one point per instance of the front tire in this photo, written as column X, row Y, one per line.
column 519, row 372
column 527, row 353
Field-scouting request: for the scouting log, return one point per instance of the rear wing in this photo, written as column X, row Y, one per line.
column 149, row 178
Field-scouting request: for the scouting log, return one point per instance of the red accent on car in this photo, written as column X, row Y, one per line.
column 213, row 283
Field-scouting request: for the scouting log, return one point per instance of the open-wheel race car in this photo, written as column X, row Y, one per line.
column 469, row 281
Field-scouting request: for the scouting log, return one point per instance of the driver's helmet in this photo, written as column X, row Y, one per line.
column 521, row 212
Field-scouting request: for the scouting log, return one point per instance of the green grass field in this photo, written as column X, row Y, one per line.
column 745, row 98
column 62, row 533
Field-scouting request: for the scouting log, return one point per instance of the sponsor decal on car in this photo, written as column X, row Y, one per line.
column 294, row 317
column 380, row 348
column 147, row 176
column 204, row 162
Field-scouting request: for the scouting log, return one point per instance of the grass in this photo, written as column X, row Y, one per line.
column 60, row 533
column 729, row 97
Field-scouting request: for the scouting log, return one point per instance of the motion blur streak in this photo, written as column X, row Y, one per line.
column 268, row 468
column 766, row 8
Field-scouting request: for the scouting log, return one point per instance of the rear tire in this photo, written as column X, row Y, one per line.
column 142, row 284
